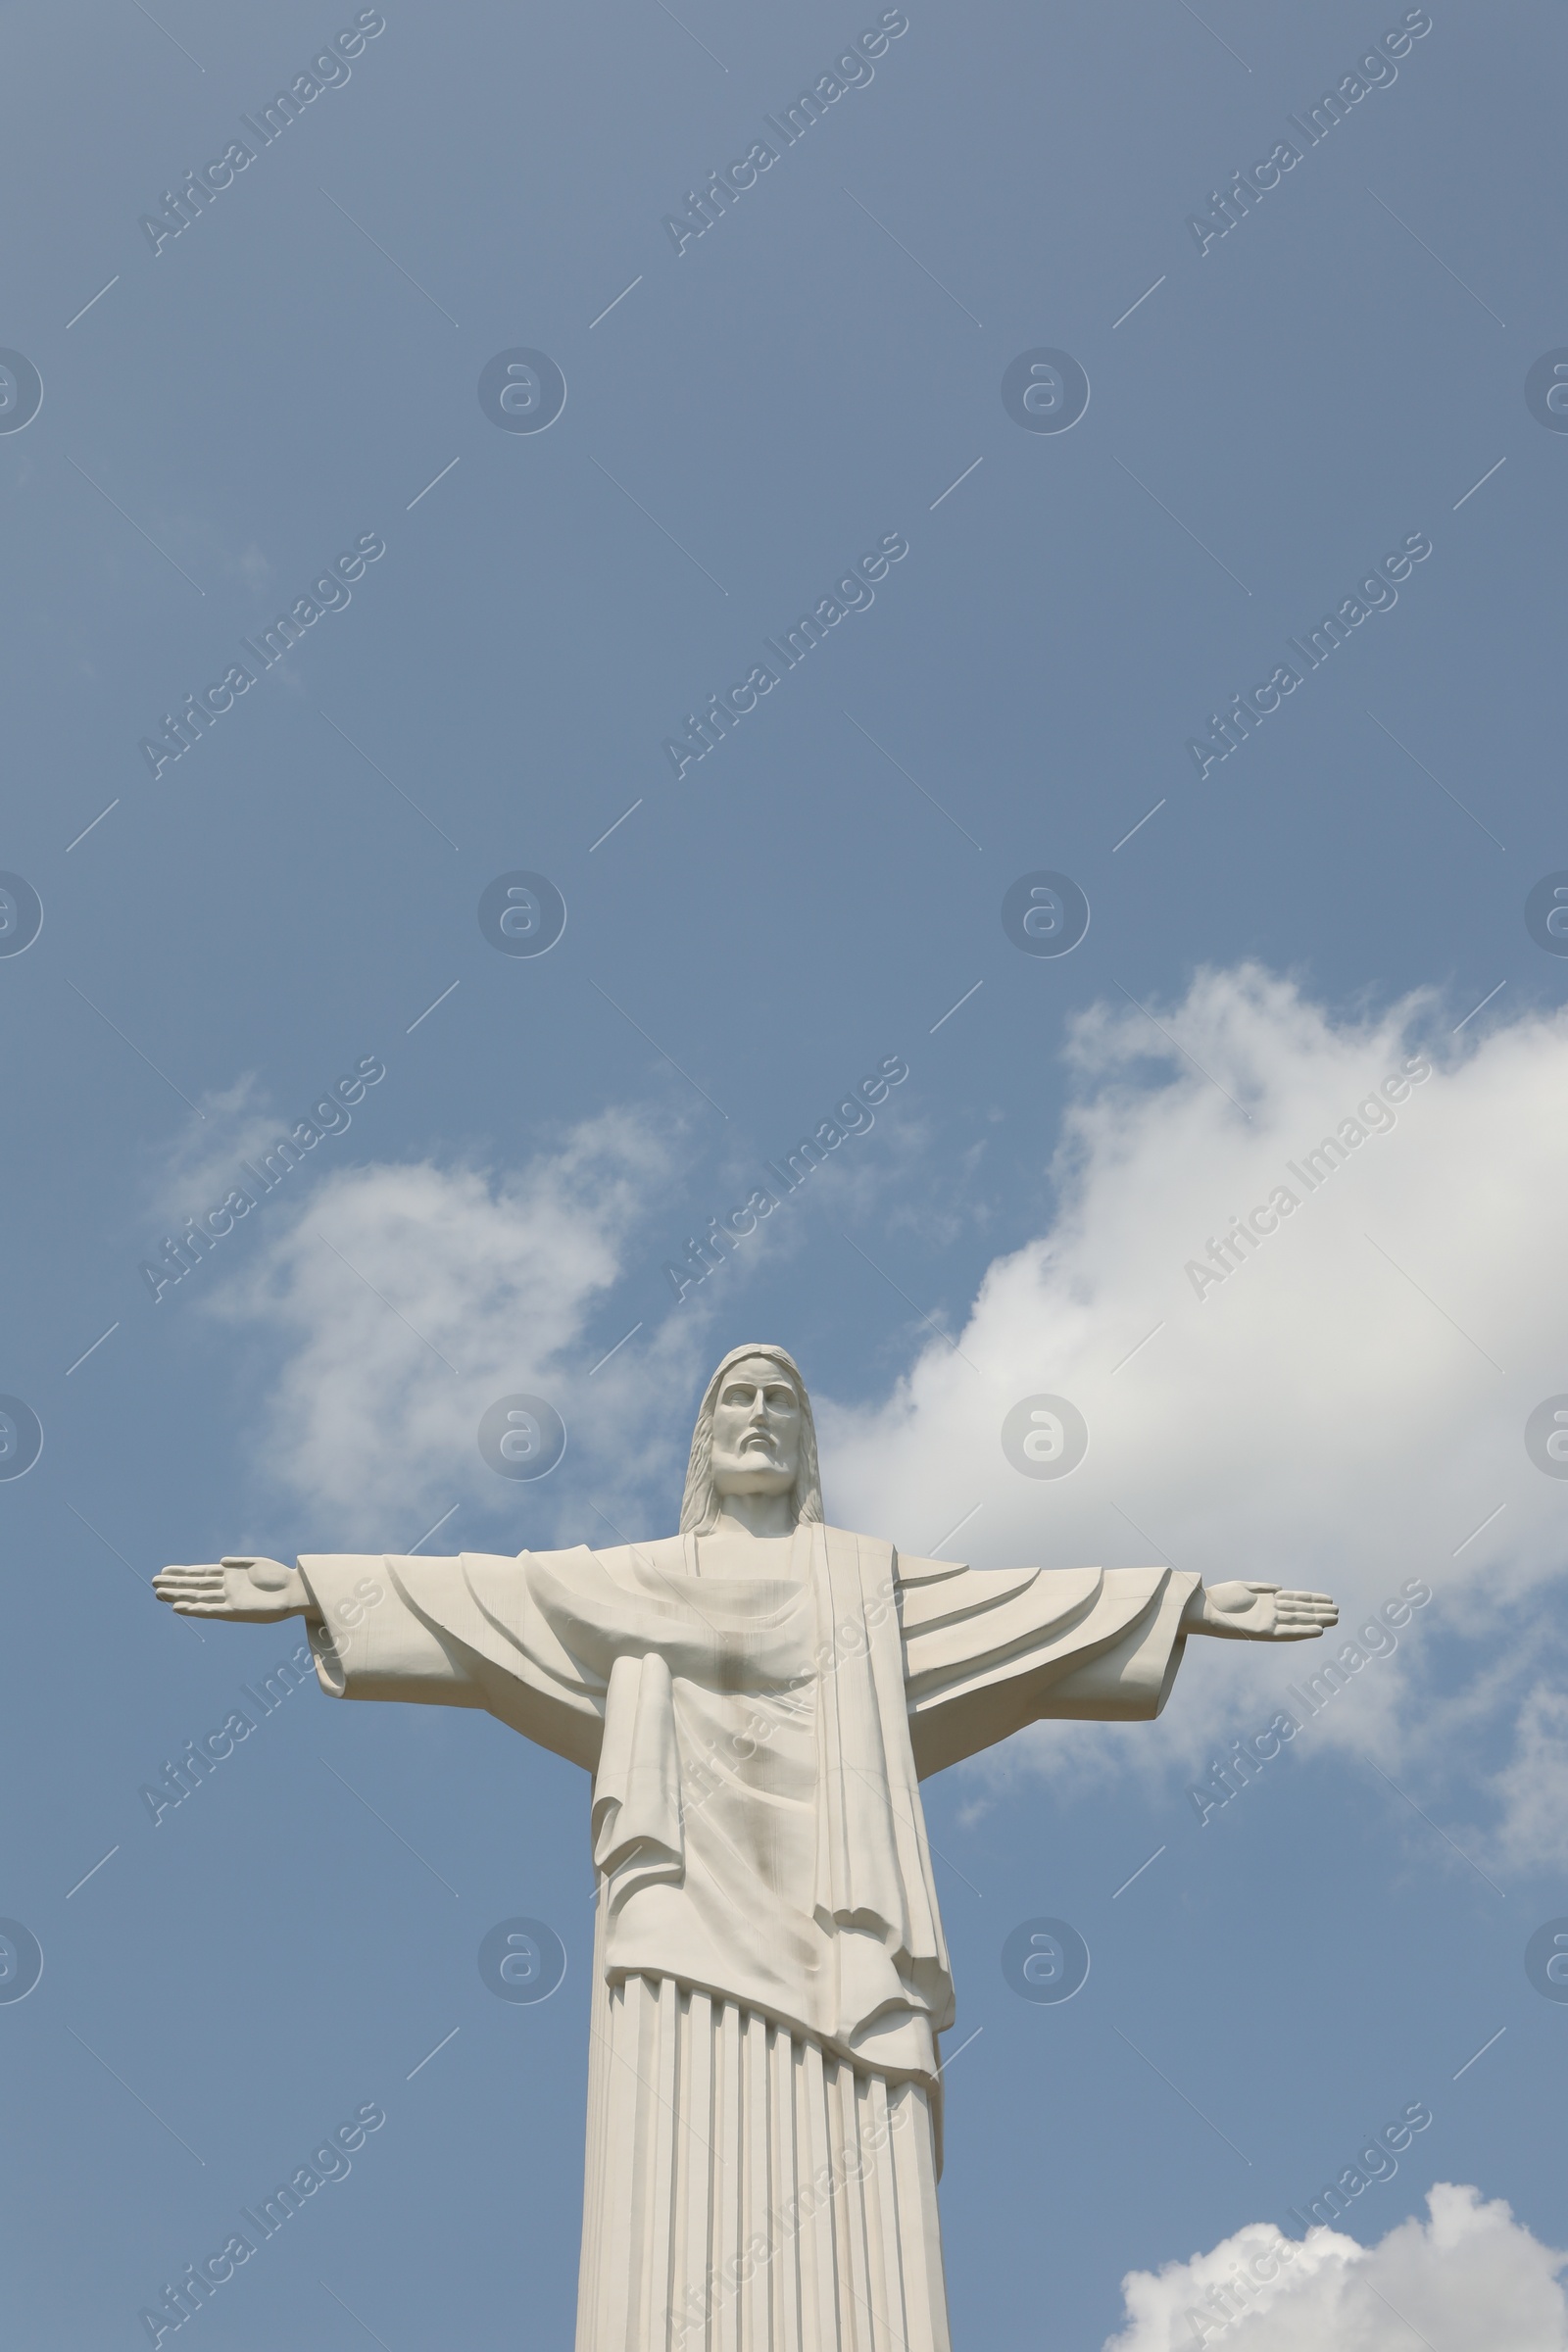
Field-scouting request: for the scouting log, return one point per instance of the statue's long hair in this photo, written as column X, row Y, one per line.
column 700, row 1505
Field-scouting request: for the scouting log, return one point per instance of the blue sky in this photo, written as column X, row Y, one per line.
column 293, row 378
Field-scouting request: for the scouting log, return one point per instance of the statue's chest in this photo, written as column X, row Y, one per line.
column 750, row 1744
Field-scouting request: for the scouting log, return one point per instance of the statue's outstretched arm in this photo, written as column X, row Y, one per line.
column 245, row 1590
column 1255, row 1612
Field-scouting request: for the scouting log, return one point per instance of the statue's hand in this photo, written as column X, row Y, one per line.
column 247, row 1591
column 1256, row 1612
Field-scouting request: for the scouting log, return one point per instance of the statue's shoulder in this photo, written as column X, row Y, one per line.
column 661, row 1556
column 879, row 1555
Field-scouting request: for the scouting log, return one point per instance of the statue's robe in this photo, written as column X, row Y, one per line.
column 769, row 1970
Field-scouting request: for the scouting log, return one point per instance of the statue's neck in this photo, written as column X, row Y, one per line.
column 755, row 1515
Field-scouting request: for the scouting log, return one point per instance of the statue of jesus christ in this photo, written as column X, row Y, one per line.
column 757, row 1699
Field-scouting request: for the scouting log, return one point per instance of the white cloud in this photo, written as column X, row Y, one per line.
column 1468, row 2279
column 1529, row 1792
column 1322, row 1417
column 407, row 1299
column 237, row 1123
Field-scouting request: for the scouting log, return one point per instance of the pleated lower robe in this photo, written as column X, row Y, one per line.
column 747, row 2191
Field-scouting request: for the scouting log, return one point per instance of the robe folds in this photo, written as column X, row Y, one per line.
column 768, row 1943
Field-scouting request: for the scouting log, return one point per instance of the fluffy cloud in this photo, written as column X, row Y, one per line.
column 402, row 1301
column 1468, row 2279
column 1341, row 1411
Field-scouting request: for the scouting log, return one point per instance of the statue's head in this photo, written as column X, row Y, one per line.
column 753, row 1436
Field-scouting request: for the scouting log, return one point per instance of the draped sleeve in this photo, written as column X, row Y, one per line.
column 478, row 1631
column 988, row 1650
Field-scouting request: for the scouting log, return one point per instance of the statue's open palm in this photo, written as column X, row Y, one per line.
column 1258, row 1612
column 247, row 1591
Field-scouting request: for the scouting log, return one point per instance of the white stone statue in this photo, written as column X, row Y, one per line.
column 757, row 1699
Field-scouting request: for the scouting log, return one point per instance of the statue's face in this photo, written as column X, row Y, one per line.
column 756, row 1429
